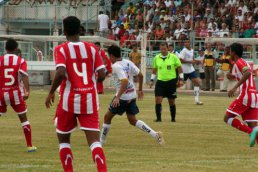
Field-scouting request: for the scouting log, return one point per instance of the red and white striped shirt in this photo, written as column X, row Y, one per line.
column 78, row 89
column 11, row 66
column 248, row 94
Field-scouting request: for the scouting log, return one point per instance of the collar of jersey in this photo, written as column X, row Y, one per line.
column 75, row 43
column 162, row 56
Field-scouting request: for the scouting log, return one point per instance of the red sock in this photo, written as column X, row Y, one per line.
column 27, row 132
column 98, row 157
column 239, row 125
column 66, row 157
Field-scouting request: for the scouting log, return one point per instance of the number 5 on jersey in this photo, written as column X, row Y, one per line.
column 7, row 75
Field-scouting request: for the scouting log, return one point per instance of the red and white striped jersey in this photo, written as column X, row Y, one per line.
column 78, row 89
column 11, row 66
column 248, row 94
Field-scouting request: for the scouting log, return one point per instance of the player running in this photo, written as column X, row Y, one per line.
column 246, row 104
column 12, row 69
column 187, row 59
column 125, row 98
column 76, row 64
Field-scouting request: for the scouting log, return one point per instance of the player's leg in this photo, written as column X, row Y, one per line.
column 27, row 131
column 21, row 110
column 106, row 126
column 158, row 108
column 144, row 127
column 90, row 125
column 172, row 108
column 66, row 123
column 159, row 93
column 65, row 152
column 196, row 84
column 235, row 109
column 251, row 118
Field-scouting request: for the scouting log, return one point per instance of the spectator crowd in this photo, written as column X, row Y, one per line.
column 172, row 20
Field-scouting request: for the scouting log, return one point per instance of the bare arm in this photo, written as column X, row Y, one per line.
column 60, row 74
column 25, row 80
column 246, row 75
column 101, row 75
column 140, row 92
column 122, row 89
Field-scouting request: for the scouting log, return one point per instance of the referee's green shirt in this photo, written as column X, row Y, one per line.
column 166, row 68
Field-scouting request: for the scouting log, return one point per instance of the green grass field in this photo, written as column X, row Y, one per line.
column 198, row 141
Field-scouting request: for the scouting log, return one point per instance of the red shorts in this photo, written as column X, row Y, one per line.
column 16, row 102
column 238, row 109
column 66, row 122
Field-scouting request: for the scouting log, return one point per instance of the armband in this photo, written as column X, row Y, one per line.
column 181, row 76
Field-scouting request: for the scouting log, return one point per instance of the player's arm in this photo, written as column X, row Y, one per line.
column 101, row 75
column 140, row 92
column 25, row 80
column 153, row 76
column 60, row 75
column 246, row 74
column 122, row 89
column 182, row 58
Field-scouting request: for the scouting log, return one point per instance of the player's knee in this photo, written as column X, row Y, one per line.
column 226, row 119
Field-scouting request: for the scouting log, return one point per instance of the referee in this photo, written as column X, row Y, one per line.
column 165, row 66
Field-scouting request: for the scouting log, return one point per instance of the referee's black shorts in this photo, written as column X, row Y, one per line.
column 166, row 89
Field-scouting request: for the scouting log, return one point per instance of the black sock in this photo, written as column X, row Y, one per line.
column 173, row 112
column 158, row 109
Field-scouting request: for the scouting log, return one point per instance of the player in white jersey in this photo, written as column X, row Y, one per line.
column 187, row 59
column 125, row 98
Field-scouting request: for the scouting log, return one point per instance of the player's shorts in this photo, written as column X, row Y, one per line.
column 66, row 122
column 238, row 109
column 166, row 89
column 128, row 106
column 191, row 75
column 15, row 100
column 199, row 74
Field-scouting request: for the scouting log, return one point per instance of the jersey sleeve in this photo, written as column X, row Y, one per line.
column 23, row 67
column 98, row 62
column 107, row 61
column 242, row 66
column 154, row 63
column 118, row 70
column 59, row 57
column 135, row 69
column 182, row 54
column 177, row 62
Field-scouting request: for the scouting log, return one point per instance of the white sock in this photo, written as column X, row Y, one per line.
column 196, row 94
column 104, row 132
column 144, row 127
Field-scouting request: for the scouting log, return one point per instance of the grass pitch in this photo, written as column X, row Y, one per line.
column 198, row 141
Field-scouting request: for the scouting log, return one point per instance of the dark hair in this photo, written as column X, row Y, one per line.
column 101, row 12
column 97, row 43
column 82, row 31
column 237, row 49
column 72, row 25
column 164, row 44
column 11, row 45
column 115, row 51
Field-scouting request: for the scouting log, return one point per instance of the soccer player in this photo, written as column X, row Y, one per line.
column 246, row 104
column 76, row 64
column 187, row 59
column 12, row 69
column 125, row 97
column 108, row 69
column 166, row 65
